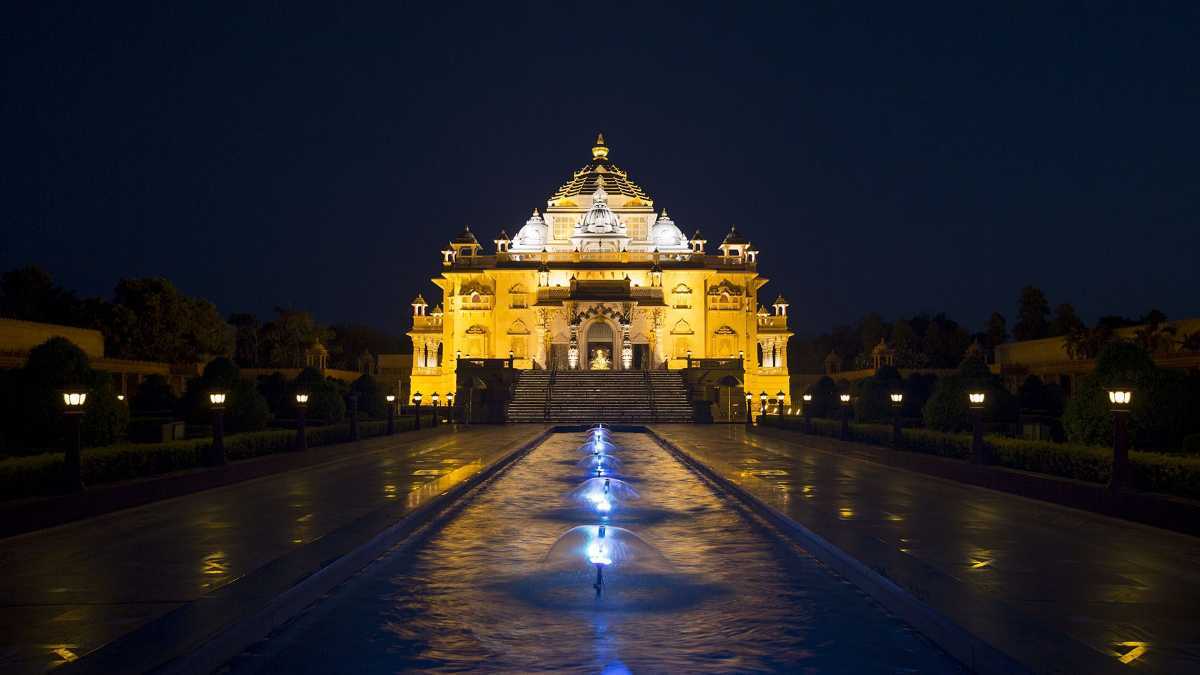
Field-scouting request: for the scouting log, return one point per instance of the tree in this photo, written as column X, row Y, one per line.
column 872, row 400
column 246, row 348
column 107, row 418
column 154, row 396
column 1086, row 343
column 30, row 294
column 948, row 410
column 166, row 325
column 1066, row 321
column 825, row 398
column 997, row 330
column 370, row 397
column 945, row 342
column 350, row 341
column 284, row 341
column 1159, row 414
column 1155, row 335
column 325, row 400
column 1036, row 397
column 51, row 366
column 871, row 331
column 245, row 407
column 1033, row 308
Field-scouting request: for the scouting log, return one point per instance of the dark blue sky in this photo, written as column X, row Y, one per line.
column 894, row 157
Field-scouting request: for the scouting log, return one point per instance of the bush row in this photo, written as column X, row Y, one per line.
column 1149, row 471
column 39, row 475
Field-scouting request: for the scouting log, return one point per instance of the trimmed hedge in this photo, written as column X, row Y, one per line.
column 39, row 475
column 1149, row 471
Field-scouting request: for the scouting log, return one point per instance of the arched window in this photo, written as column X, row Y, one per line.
column 518, row 297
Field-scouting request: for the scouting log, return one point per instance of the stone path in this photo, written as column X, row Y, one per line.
column 68, row 590
column 1058, row 589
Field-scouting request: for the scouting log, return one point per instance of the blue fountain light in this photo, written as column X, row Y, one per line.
column 598, row 552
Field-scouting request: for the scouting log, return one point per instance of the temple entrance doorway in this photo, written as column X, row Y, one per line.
column 601, row 347
column 641, row 356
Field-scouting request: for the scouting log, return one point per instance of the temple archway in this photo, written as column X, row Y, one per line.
column 600, row 349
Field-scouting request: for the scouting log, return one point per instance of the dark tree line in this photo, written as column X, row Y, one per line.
column 937, row 341
column 150, row 320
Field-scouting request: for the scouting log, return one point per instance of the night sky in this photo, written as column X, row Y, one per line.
column 884, row 156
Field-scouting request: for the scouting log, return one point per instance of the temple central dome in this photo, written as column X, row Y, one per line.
column 600, row 219
column 600, row 171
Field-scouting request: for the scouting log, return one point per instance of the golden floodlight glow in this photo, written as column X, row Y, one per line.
column 1138, row 648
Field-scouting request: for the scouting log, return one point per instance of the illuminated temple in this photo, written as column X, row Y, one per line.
column 600, row 280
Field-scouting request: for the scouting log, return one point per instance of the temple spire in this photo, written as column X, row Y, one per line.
column 599, row 150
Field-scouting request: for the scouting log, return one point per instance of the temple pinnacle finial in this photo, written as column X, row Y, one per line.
column 599, row 150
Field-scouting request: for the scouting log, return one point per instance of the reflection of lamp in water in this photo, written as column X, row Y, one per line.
column 598, row 555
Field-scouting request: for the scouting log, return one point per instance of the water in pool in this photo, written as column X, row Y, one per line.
column 695, row 584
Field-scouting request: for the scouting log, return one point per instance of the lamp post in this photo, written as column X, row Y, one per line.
column 779, row 398
column 689, row 358
column 417, row 407
column 450, row 412
column 807, row 413
column 976, row 400
column 1119, row 399
column 435, row 398
column 391, row 406
column 897, row 405
column 844, row 432
column 216, row 451
column 762, row 406
column 301, row 408
column 749, row 413
column 74, row 400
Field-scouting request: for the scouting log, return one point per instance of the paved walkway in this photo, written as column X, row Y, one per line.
column 68, row 590
column 1058, row 589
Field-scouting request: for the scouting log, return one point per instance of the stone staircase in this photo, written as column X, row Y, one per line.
column 600, row 396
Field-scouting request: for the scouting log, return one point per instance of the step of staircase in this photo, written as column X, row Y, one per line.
column 600, row 396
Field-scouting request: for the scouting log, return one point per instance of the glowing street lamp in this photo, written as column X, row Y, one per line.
column 976, row 399
column 74, row 401
column 435, row 398
column 1120, row 398
column 216, row 451
column 897, row 405
column 450, row 412
column 779, row 398
column 844, row 432
column 417, row 406
column 762, row 404
column 749, row 412
column 301, row 408
column 391, row 409
column 807, row 398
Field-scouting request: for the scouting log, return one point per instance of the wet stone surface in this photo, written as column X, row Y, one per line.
column 484, row 592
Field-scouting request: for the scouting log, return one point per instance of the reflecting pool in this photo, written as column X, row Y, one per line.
column 691, row 583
